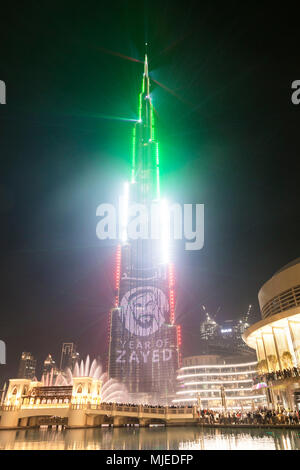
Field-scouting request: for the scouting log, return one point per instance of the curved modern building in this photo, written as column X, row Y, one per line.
column 276, row 338
column 217, row 383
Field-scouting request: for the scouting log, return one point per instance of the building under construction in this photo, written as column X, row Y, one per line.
column 223, row 338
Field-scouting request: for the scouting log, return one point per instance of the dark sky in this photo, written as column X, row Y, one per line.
column 229, row 138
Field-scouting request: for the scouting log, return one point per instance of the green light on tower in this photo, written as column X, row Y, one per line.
column 145, row 153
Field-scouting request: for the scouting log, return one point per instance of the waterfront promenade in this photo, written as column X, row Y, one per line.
column 118, row 415
column 81, row 415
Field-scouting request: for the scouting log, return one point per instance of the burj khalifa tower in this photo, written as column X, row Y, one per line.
column 144, row 341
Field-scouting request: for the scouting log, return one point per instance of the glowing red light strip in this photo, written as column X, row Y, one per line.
column 171, row 292
column 179, row 341
column 171, row 279
column 179, row 334
column 117, row 275
column 108, row 339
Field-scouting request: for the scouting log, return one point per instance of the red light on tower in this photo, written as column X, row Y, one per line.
column 179, row 334
column 171, row 292
column 179, row 341
column 117, row 275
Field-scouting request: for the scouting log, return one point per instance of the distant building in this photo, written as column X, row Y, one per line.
column 69, row 356
column 225, row 338
column 207, row 328
column 2, row 394
column 27, row 366
column 210, row 381
column 49, row 365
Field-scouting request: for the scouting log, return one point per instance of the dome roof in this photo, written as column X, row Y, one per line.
column 289, row 265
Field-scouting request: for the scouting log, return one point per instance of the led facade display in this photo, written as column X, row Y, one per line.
column 143, row 344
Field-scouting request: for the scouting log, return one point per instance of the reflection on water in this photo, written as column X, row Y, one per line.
column 156, row 438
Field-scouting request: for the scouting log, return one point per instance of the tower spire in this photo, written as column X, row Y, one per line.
column 146, row 66
column 145, row 157
column 146, row 61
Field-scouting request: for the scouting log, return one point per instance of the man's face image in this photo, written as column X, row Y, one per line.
column 144, row 309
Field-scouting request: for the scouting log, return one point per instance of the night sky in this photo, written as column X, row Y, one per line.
column 229, row 138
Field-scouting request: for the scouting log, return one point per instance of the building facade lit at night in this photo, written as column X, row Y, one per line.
column 202, row 379
column 27, row 366
column 276, row 338
column 49, row 365
column 224, row 338
column 69, row 356
column 144, row 340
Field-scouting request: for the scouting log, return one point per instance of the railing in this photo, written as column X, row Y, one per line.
column 288, row 373
column 154, row 410
column 130, row 409
column 32, row 406
column 135, row 408
column 10, row 407
column 282, row 302
column 110, row 407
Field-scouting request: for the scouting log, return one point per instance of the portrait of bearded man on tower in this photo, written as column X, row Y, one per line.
column 143, row 310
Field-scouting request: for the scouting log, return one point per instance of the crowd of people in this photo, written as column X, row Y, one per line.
column 278, row 375
column 146, row 405
column 260, row 416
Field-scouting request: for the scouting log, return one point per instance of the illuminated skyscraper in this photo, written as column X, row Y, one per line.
column 49, row 366
column 69, row 356
column 144, row 340
column 223, row 338
column 2, row 393
column 27, row 366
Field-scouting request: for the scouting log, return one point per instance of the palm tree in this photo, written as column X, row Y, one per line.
column 298, row 354
column 272, row 359
column 286, row 359
column 262, row 367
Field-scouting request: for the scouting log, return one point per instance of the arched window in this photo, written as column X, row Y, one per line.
column 14, row 392
column 79, row 389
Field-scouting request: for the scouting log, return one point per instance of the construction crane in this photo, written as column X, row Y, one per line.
column 247, row 314
column 209, row 316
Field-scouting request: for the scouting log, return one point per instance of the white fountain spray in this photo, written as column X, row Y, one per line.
column 112, row 391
